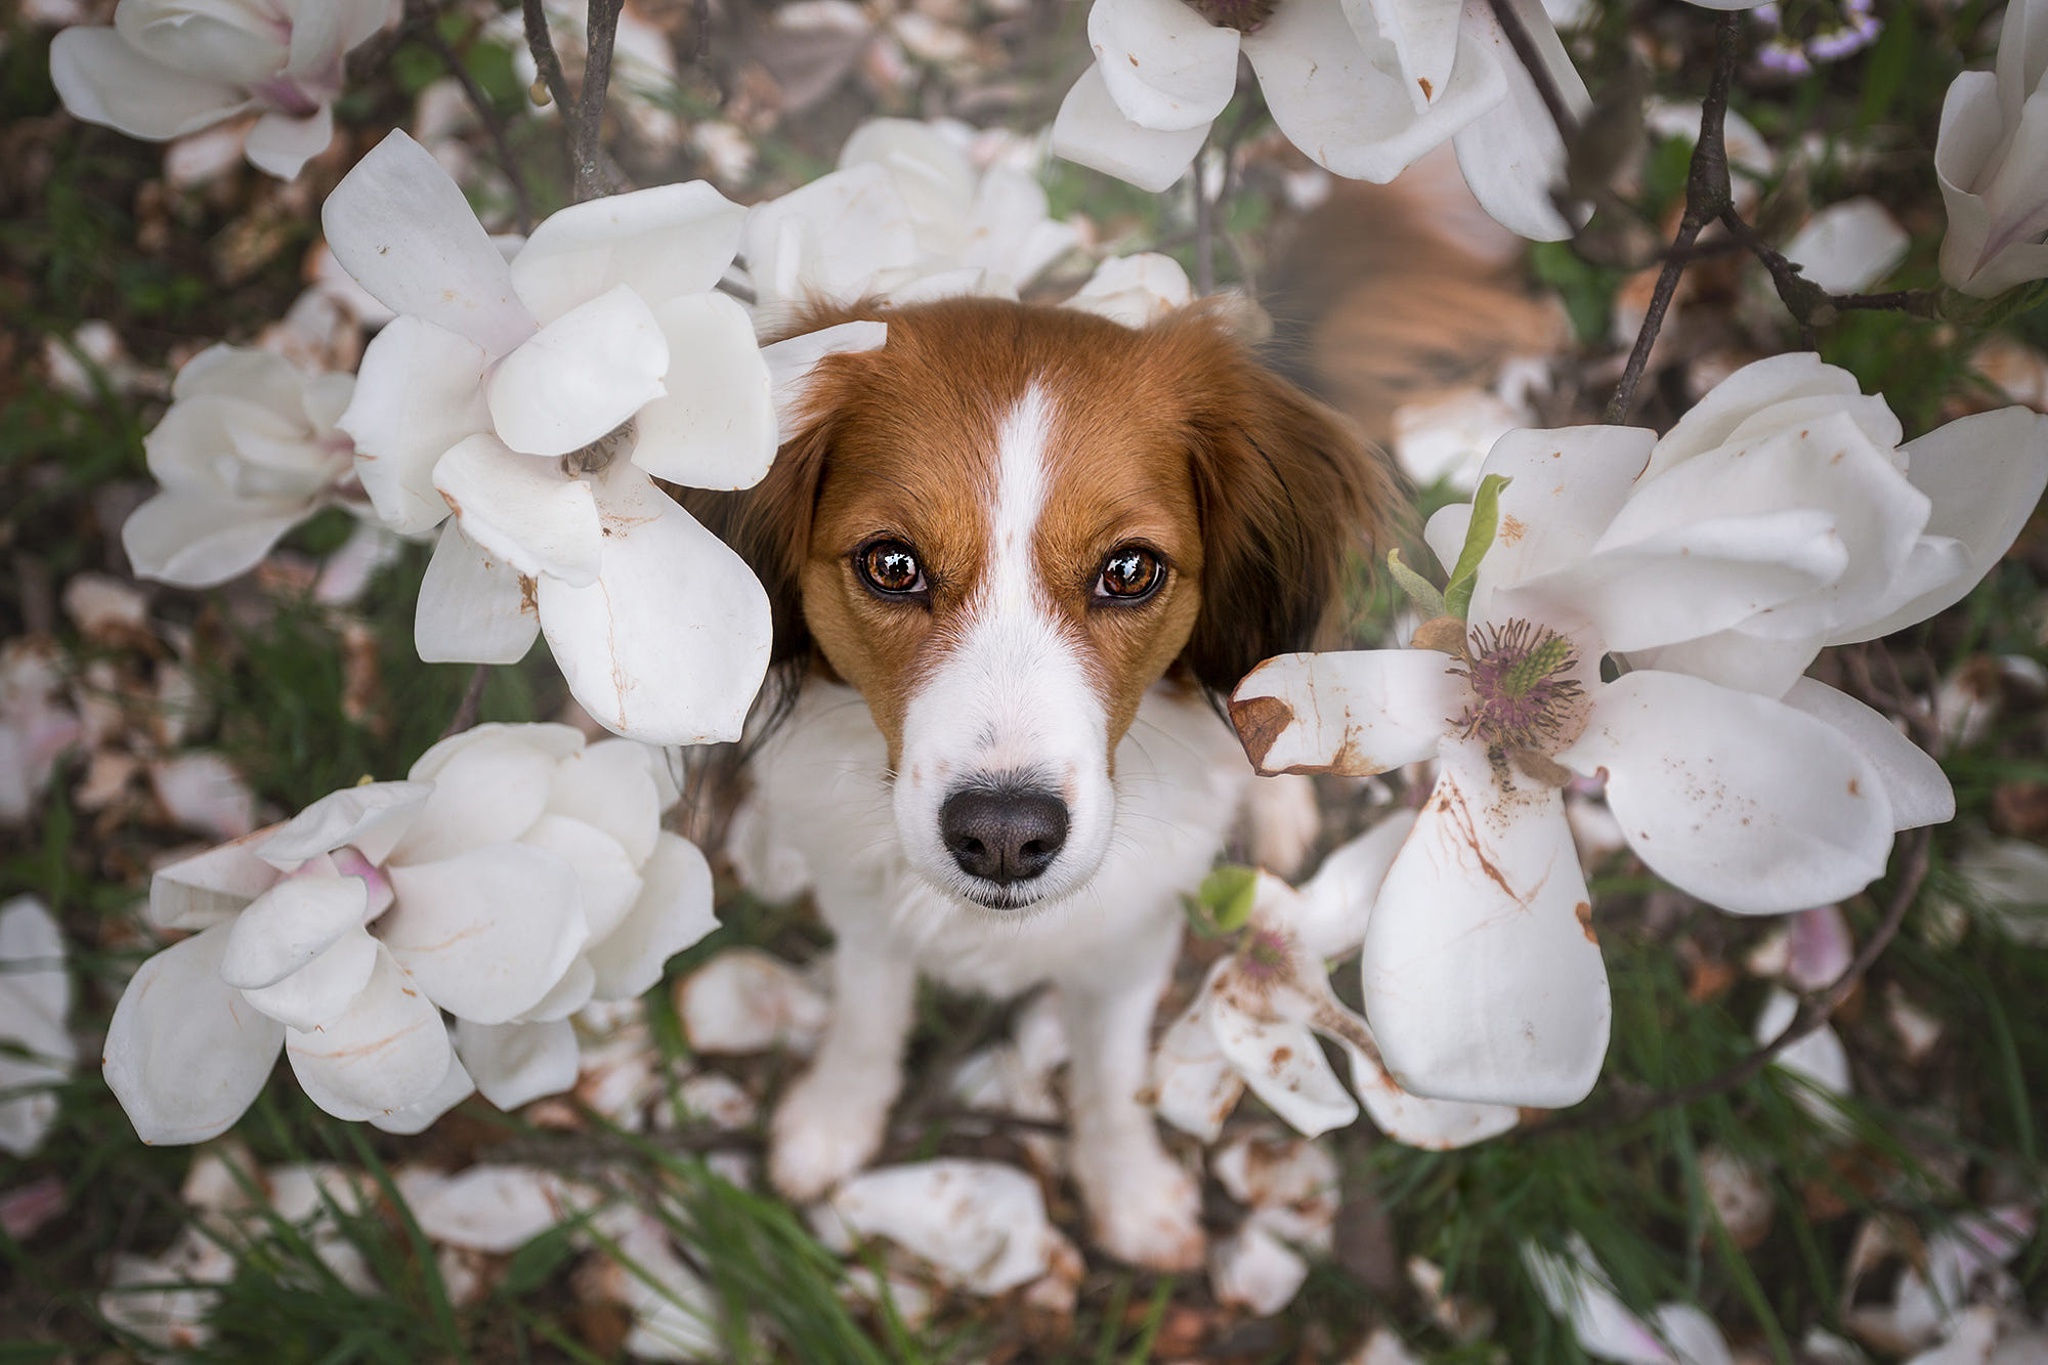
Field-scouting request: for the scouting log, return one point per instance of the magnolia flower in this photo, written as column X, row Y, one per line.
column 171, row 67
column 1773, row 519
column 1991, row 157
column 1255, row 1019
column 1363, row 87
column 980, row 1224
column 1579, row 1291
column 538, row 401
column 35, row 998
column 1291, row 1190
column 517, row 875
column 907, row 216
column 247, row 450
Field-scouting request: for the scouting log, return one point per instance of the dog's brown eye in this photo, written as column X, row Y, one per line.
column 1130, row 573
column 890, row 566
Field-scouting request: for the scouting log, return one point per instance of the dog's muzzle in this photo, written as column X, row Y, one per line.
column 1003, row 834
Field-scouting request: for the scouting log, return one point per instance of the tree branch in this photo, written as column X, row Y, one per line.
column 1517, row 34
column 543, row 49
column 472, row 699
column 494, row 126
column 585, row 148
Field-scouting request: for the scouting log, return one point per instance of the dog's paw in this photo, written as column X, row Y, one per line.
column 1284, row 819
column 824, row 1130
column 1145, row 1210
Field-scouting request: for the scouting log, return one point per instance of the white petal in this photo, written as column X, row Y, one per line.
column 673, row 912
column 1195, row 1084
column 1166, row 67
column 289, row 925
column 515, row 1064
column 206, row 888
column 1914, row 783
column 982, row 1226
column 1736, row 659
column 1564, row 487
column 418, row 393
column 490, row 1208
column 716, row 426
column 671, row 642
column 185, row 1054
column 606, row 884
column 580, row 376
column 199, row 542
column 791, row 363
column 1357, row 713
column 1136, row 290
column 101, row 79
column 522, row 509
column 611, row 785
column 1580, row 1291
column 1512, row 155
column 281, row 145
column 1336, row 903
column 1279, row 1059
column 566, row 996
column 745, row 1001
column 1255, row 1270
column 1483, row 980
column 1091, row 131
column 474, row 606
column 400, row 226
column 1739, row 800
column 321, row 991
column 387, row 1052
column 829, row 241
column 487, row 933
column 1819, row 1058
column 371, row 819
column 1423, row 35
column 1848, row 247
column 664, row 242
column 32, row 957
column 202, row 792
column 1754, row 388
column 226, row 41
column 420, row 1115
column 490, row 785
column 1414, row 1121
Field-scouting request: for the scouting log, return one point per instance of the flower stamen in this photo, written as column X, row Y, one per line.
column 1525, row 697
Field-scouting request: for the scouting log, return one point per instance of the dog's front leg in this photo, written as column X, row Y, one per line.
column 1142, row 1206
column 831, row 1122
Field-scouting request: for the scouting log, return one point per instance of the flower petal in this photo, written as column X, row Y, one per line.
column 981, row 1225
column 1414, row 1121
column 1336, row 903
column 199, row 542
column 566, row 996
column 828, row 241
column 1709, row 423
column 674, row 911
column 607, row 886
column 281, row 145
column 1355, row 713
column 522, row 509
column 203, row 890
column 663, row 242
column 185, row 1054
column 1512, row 155
column 321, row 991
column 399, row 225
column 1483, row 980
column 671, row 642
column 420, row 1115
column 715, row 427
column 1136, row 290
column 289, row 925
column 1423, row 35
column 103, row 80
column 515, row 1064
column 1564, row 487
column 1195, row 1085
column 611, row 785
column 1737, row 799
column 487, row 933
column 1263, row 1031
column 488, row 790
column 387, row 1052
column 581, row 376
column 474, row 607
column 1914, row 784
column 419, row 391
column 792, row 361
column 1166, row 67
column 1848, row 247
column 371, row 819
column 1091, row 131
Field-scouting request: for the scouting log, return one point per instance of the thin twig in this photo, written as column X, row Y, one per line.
column 472, row 698
column 1519, row 38
column 543, row 49
column 494, row 126
column 585, row 147
column 1707, row 197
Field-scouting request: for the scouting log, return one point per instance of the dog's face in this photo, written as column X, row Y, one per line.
column 1006, row 524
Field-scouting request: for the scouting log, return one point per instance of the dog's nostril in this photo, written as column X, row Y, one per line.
column 1003, row 834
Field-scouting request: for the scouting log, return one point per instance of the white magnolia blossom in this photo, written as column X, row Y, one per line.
column 1776, row 517
column 980, row 1224
column 1254, row 1021
column 907, row 216
column 539, row 400
column 171, row 67
column 247, row 450
column 1363, row 87
column 1991, row 157
column 1580, row 1292
column 517, row 875
column 35, row 1001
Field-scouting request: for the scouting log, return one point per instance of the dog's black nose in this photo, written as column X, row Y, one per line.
column 1003, row 834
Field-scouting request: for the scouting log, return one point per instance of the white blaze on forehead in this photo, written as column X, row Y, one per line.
column 1022, row 443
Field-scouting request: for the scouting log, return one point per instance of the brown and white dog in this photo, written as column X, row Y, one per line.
column 1012, row 548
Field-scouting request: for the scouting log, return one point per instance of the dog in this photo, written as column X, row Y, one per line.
column 1015, row 554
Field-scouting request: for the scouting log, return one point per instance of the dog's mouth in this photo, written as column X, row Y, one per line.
column 1003, row 899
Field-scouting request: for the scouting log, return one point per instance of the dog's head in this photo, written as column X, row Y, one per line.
column 1007, row 523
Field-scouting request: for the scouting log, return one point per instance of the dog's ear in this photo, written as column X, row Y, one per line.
column 1289, row 492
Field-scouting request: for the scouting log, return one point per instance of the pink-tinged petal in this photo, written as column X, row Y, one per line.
column 289, row 925
column 515, row 1064
column 490, row 785
column 1335, row 904
column 1166, row 67
column 281, row 145
column 324, row 989
column 418, row 393
column 1423, row 35
column 202, row 792
column 611, row 785
column 1335, row 102
column 1709, row 423
column 670, row 644
column 203, row 890
column 1512, row 155
column 1819, row 1059
column 1821, row 948
column 400, row 226
column 1984, row 474
column 1195, row 1084
column 522, row 509
column 455, row 1087
column 1091, row 131
column 227, row 42
column 1734, row 798
column 663, row 242
column 371, row 819
column 387, row 1052
column 1356, row 713
column 487, row 933
column 1918, row 790
column 474, row 607
column 792, row 361
column 1412, row 1120
column 674, row 911
column 715, row 428
column 194, row 541
column 185, row 1054
column 581, row 376
column 1483, row 980
column 103, row 80
column 607, row 885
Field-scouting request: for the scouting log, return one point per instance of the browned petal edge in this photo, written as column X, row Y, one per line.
column 1260, row 721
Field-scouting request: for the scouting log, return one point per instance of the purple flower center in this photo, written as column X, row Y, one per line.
column 1525, row 695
